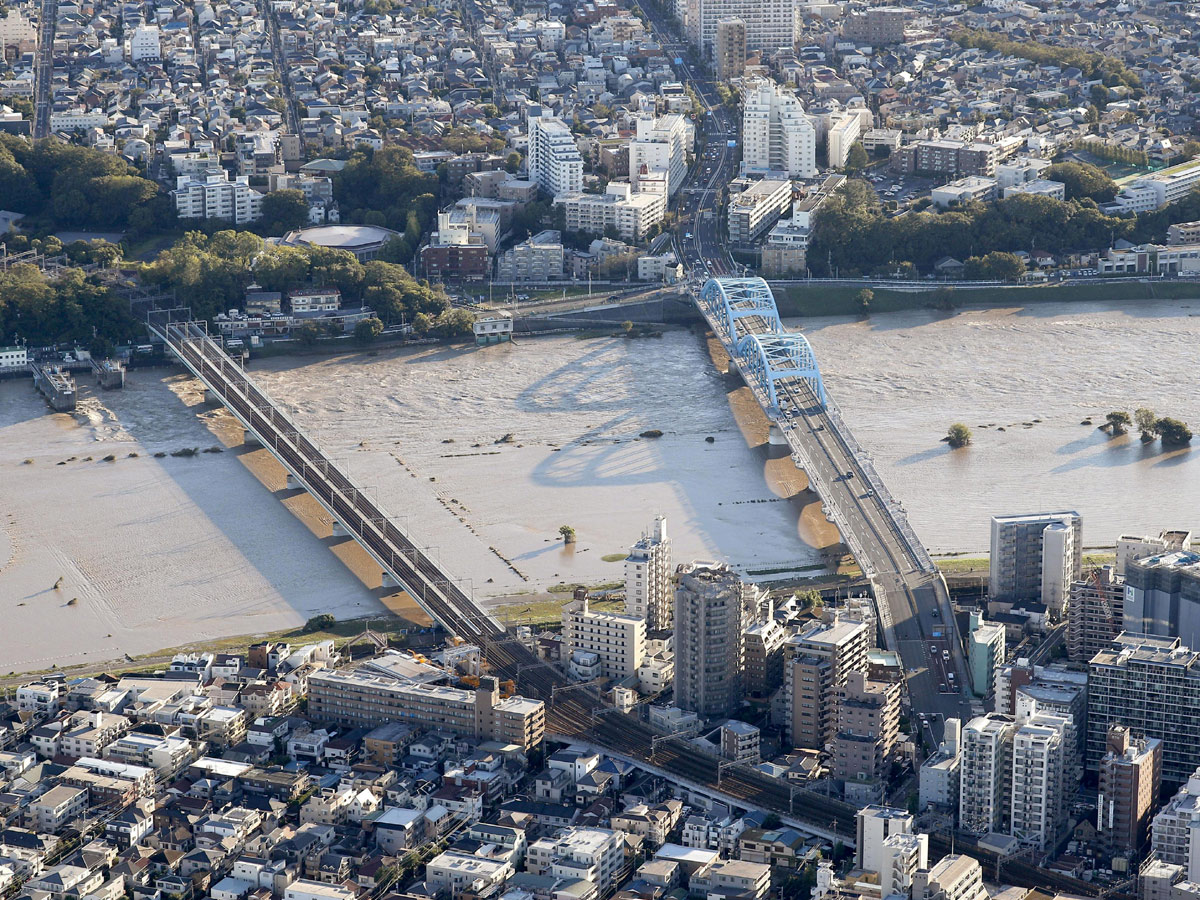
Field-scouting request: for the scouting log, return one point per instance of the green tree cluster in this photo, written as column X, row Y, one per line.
column 71, row 307
column 1083, row 180
column 384, row 187
column 1092, row 63
column 59, row 185
column 852, row 232
column 997, row 265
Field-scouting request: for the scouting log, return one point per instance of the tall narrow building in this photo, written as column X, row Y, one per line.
column 778, row 137
column 1096, row 613
column 868, row 725
column 1036, row 557
column 817, row 664
column 648, row 592
column 1130, row 779
column 712, row 609
column 1038, row 767
column 731, row 48
column 553, row 158
column 984, row 773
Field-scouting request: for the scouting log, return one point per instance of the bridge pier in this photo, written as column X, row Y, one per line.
column 339, row 530
column 777, row 443
column 293, row 482
column 733, row 367
column 250, row 439
column 389, row 581
column 211, row 397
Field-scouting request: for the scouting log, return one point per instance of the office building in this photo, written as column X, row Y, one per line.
column 369, row 695
column 1162, row 596
column 648, row 592
column 985, row 653
column 769, row 24
column 984, row 773
column 1130, row 779
column 618, row 640
column 778, row 137
column 1171, row 829
column 1038, row 773
column 660, row 145
column 1036, row 556
column 1151, row 685
column 213, row 195
column 868, row 726
column 553, row 158
column 938, row 779
column 877, row 25
column 753, row 211
column 712, row 609
column 817, row 663
column 1095, row 614
column 951, row 878
column 731, row 48
column 631, row 214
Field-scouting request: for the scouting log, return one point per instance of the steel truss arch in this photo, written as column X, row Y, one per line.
column 770, row 358
column 732, row 299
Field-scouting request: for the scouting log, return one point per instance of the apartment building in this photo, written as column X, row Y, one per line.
column 739, row 742
column 712, row 609
column 214, row 195
column 660, row 144
column 753, row 211
column 769, row 24
column 877, row 26
column 595, row 855
column 984, row 773
column 553, row 159
column 1036, row 556
column 1152, row 686
column 985, row 653
column 648, row 592
column 764, row 656
column 954, row 158
column 1038, row 780
column 1152, row 259
column 1095, row 614
column 362, row 697
column 868, row 726
column 631, row 214
column 778, row 137
column 817, row 664
column 540, row 258
column 618, row 640
column 55, row 809
column 1130, row 779
column 874, row 824
column 844, row 131
column 730, row 50
column 1171, row 828
column 938, row 778
column 953, row 877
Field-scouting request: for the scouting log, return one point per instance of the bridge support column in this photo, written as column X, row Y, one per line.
column 777, row 444
column 339, row 530
column 250, row 438
column 210, row 397
column 389, row 581
column 293, row 482
column 733, row 369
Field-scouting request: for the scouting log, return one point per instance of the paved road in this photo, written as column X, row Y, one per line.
column 44, row 76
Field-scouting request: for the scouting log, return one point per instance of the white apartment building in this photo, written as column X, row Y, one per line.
column 770, row 24
column 632, row 215
column 145, row 44
column 587, row 854
column 78, row 119
column 1029, row 559
column 1171, row 831
column 1129, row 546
column 753, row 211
column 777, row 135
column 1038, row 770
column 214, row 195
column 618, row 640
column 902, row 856
column 873, row 825
column 938, row 779
column 660, row 145
column 648, row 593
column 15, row 28
column 952, row 878
column 844, row 130
column 984, row 773
column 553, row 158
column 455, row 873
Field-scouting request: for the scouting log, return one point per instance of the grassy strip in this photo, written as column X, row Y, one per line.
column 546, row 612
column 824, row 300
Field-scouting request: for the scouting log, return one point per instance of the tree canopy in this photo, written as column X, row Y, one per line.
column 1083, row 180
